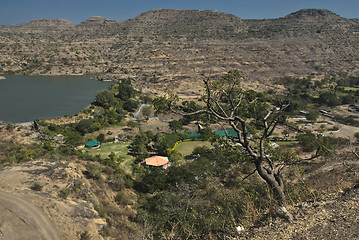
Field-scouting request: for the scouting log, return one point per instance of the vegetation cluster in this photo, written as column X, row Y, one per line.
column 210, row 192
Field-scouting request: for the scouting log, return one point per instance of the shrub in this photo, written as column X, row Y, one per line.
column 175, row 155
column 95, row 171
column 122, row 198
column 54, row 128
column 130, row 105
column 73, row 138
column 9, row 126
column 175, row 125
column 101, row 138
column 25, row 154
column 85, row 236
column 308, row 142
column 48, row 146
column 356, row 135
column 87, row 126
column 312, row 116
column 64, row 193
column 105, row 99
column 36, row 186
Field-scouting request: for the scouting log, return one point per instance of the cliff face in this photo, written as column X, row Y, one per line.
column 168, row 48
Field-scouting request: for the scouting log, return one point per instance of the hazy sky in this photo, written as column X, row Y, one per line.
column 21, row 11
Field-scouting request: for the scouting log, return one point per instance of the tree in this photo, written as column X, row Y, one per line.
column 73, row 138
column 230, row 105
column 101, row 138
column 105, row 99
column 125, row 89
column 329, row 98
column 175, row 125
column 87, row 126
column 130, row 105
column 312, row 116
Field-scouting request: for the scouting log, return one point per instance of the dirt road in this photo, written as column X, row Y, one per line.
column 20, row 219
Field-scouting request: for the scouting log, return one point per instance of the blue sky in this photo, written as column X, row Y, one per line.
column 21, row 11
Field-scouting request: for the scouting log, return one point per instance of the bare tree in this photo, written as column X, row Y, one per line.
column 242, row 110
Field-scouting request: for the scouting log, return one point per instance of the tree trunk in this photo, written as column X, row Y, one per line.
column 276, row 183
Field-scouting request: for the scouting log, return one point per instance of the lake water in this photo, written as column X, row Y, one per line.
column 26, row 98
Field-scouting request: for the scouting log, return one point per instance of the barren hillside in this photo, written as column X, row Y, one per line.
column 167, row 48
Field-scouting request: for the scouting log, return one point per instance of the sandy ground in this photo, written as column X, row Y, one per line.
column 30, row 221
column 28, row 214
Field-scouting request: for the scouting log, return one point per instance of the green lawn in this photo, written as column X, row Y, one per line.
column 186, row 148
column 350, row 88
column 120, row 149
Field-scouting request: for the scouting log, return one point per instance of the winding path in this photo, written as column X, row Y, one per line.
column 20, row 219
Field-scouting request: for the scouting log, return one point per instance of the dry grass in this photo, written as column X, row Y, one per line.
column 186, row 148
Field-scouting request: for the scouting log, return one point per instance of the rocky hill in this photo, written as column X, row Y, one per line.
column 334, row 217
column 166, row 48
column 46, row 24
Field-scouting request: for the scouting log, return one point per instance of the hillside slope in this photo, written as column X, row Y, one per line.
column 167, row 48
column 333, row 217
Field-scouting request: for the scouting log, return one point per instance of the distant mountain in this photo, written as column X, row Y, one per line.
column 47, row 24
column 171, row 48
column 315, row 14
column 169, row 23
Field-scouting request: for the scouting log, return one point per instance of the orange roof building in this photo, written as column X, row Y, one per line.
column 156, row 161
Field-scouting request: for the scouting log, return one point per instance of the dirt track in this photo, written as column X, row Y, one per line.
column 20, row 219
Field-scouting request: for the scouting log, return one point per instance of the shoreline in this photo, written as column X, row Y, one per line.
column 2, row 77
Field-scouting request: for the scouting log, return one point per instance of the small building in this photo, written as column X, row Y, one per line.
column 93, row 144
column 229, row 132
column 194, row 135
column 157, row 161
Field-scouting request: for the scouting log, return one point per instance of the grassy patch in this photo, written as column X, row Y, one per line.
column 186, row 148
column 351, row 88
column 287, row 143
column 120, row 149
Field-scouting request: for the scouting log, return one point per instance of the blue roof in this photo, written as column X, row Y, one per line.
column 194, row 135
column 230, row 132
column 92, row 143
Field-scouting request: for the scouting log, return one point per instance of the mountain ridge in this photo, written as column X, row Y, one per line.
column 168, row 47
column 303, row 13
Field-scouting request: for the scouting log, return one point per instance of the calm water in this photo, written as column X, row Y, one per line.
column 26, row 98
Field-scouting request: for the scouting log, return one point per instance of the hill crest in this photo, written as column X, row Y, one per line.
column 313, row 13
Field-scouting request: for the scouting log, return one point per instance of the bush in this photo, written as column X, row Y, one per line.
column 48, row 146
column 329, row 98
column 9, row 126
column 95, row 171
column 356, row 135
column 312, row 116
column 105, row 99
column 206, row 133
column 308, row 142
column 25, row 154
column 122, row 198
column 164, row 141
column 54, row 128
column 64, row 193
column 175, row 125
column 175, row 155
column 132, row 124
column 87, row 126
column 73, row 138
column 36, row 186
column 130, row 105
column 101, row 138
